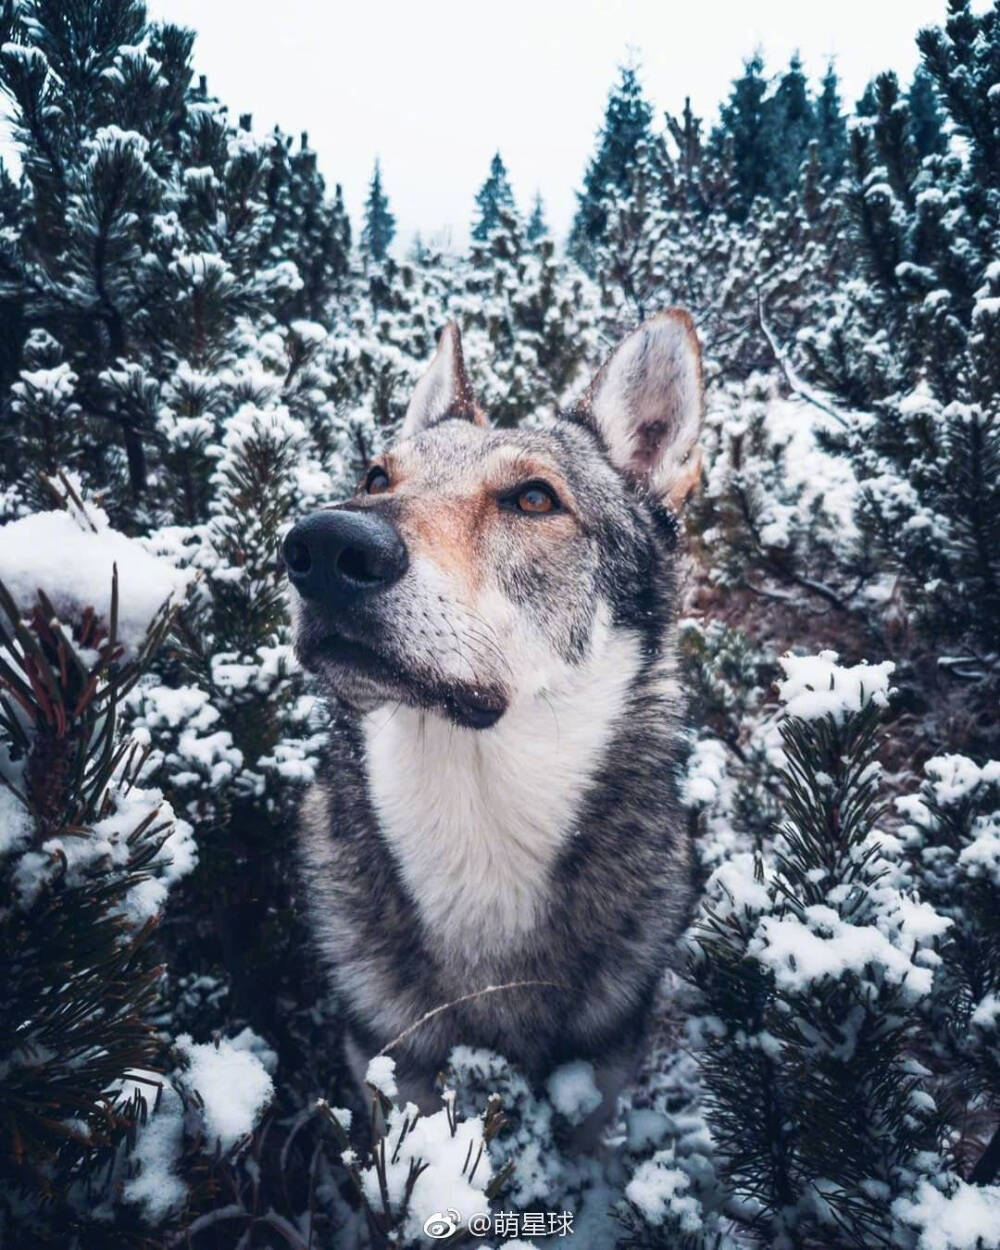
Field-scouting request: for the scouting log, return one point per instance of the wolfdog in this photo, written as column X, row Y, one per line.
column 495, row 831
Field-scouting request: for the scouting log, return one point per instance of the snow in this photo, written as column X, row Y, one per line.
column 981, row 858
column 255, row 1045
column 311, row 333
column 155, row 1185
column 199, row 753
column 658, row 1190
column 706, row 773
column 15, row 822
column 57, row 384
column 821, row 476
column 822, row 946
column 233, row 1083
column 968, row 1218
column 381, row 1075
column 987, row 1013
column 573, row 1092
column 74, row 566
column 450, row 1156
column 816, row 686
column 176, row 858
column 956, row 777
column 733, row 887
column 477, row 1074
column 109, row 842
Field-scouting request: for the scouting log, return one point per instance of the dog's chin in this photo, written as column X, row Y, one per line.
column 363, row 679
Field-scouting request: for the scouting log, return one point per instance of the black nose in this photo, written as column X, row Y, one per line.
column 335, row 556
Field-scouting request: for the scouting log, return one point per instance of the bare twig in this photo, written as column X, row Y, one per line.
column 795, row 383
column 466, row 998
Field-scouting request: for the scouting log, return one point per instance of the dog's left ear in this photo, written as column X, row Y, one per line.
column 646, row 404
column 444, row 390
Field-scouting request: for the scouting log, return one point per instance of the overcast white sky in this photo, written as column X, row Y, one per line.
column 434, row 87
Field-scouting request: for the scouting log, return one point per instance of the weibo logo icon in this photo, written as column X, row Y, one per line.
column 442, row 1223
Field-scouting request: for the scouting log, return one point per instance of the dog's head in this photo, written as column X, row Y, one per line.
column 477, row 567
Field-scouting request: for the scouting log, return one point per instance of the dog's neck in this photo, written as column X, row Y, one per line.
column 476, row 818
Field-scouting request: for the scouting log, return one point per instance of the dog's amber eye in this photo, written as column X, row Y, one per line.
column 377, row 481
column 536, row 497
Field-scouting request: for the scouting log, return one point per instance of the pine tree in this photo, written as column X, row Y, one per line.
column 866, row 105
column 340, row 235
column 917, row 344
column 925, row 119
column 626, row 125
column 379, row 228
column 86, row 856
column 537, row 228
column 305, row 221
column 528, row 320
column 494, row 200
column 161, row 272
column 831, row 128
column 633, row 259
column 792, row 125
column 951, row 839
column 144, row 245
column 819, row 1115
column 744, row 121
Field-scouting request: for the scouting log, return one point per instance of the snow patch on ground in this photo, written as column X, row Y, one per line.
column 808, row 465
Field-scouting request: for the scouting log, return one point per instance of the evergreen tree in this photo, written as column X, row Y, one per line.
column 831, row 128
column 86, row 856
column 820, row 1117
column 950, row 837
column 626, row 125
column 307, row 222
column 925, row 118
column 917, row 344
column 537, row 228
column 744, row 121
column 494, row 199
column 791, row 124
column 340, row 234
column 161, row 272
column 144, row 244
column 866, row 105
column 379, row 228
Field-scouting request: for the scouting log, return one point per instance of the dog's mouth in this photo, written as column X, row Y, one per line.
column 359, row 673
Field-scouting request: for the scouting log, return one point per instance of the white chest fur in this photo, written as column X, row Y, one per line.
column 475, row 818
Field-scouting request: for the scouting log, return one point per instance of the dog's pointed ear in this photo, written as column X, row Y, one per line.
column 444, row 390
column 646, row 405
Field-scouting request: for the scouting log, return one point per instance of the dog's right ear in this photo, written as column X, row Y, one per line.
column 444, row 390
column 646, row 406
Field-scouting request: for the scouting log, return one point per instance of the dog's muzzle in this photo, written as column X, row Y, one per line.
column 334, row 558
